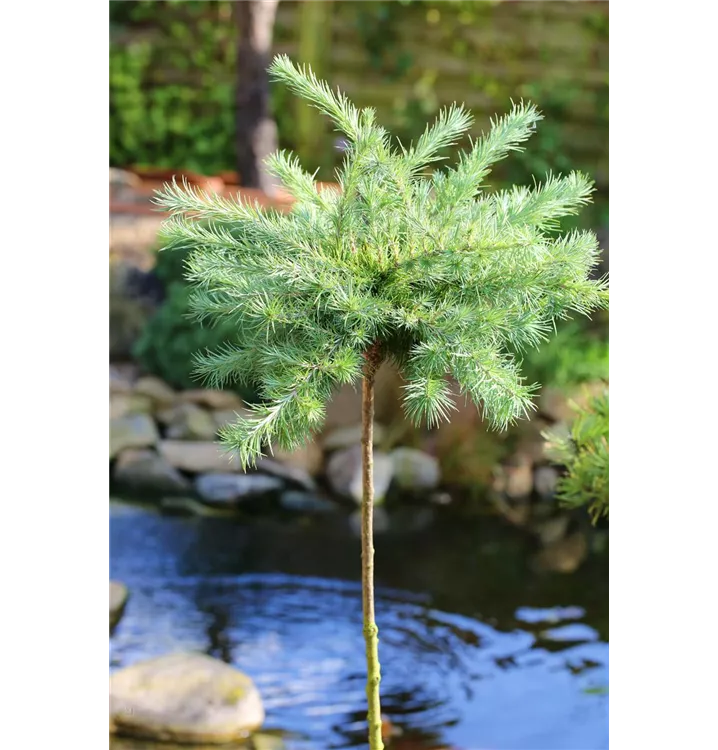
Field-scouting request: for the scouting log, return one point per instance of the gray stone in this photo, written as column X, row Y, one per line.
column 226, row 417
column 308, row 457
column 118, row 600
column 199, row 457
column 190, row 506
column 155, row 389
column 290, row 473
column 441, row 498
column 190, row 422
column 142, row 468
column 139, row 404
column 545, row 479
column 552, row 530
column 119, row 405
column 563, row 556
column 554, row 403
column 215, row 400
column 132, row 431
column 344, row 473
column 229, row 488
column 184, row 697
column 343, row 437
column 121, row 379
column 306, row 502
column 115, row 177
column 415, row 470
column 519, row 479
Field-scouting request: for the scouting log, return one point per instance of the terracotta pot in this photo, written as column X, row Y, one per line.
column 161, row 175
column 230, row 178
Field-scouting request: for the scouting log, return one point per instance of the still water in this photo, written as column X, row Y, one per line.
column 478, row 650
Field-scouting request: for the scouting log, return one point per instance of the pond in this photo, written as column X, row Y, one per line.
column 478, row 650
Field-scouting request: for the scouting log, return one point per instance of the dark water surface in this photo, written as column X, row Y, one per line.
column 478, row 652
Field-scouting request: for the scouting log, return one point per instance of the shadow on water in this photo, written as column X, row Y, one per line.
column 478, row 652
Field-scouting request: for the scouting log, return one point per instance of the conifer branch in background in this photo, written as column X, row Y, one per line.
column 583, row 451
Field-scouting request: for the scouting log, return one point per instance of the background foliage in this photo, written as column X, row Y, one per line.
column 172, row 79
column 584, row 453
column 173, row 73
column 171, row 339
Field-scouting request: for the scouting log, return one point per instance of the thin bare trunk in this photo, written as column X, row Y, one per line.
column 371, row 632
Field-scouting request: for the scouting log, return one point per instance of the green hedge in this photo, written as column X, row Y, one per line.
column 171, row 338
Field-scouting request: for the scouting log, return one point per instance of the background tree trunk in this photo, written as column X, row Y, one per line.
column 256, row 129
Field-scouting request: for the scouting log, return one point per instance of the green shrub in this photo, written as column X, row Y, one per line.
column 584, row 453
column 578, row 353
column 171, row 339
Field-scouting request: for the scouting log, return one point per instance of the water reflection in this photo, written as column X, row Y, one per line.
column 448, row 678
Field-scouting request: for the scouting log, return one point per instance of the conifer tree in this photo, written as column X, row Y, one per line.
column 402, row 263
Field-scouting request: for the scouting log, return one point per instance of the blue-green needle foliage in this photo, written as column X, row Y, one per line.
column 418, row 265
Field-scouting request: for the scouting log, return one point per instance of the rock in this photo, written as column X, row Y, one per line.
column 267, row 742
column 552, row 530
column 121, row 378
column 467, row 451
column 132, row 431
column 415, row 470
column 184, row 697
column 344, row 473
column 441, row 498
column 199, row 457
column 120, row 180
column 229, row 488
column 545, row 479
column 519, row 479
column 498, row 480
column 557, row 404
column 308, row 457
column 155, row 389
column 344, row 408
column 290, row 473
column 189, row 422
column 531, row 443
column 118, row 600
column 227, row 417
column 344, row 437
column 140, row 404
column 563, row 556
column 119, row 405
column 381, row 521
column 189, row 506
column 215, row 400
column 142, row 468
column 553, row 402
column 306, row 502
column 517, row 512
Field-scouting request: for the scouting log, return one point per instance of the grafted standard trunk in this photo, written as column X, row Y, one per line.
column 371, row 637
